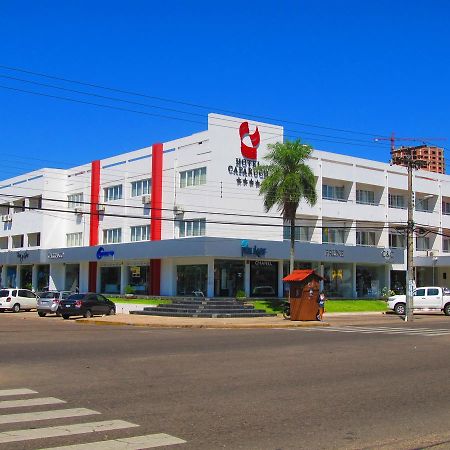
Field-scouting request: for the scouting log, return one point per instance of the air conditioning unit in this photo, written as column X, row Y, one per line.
column 146, row 199
column 7, row 218
column 78, row 210
column 100, row 207
column 431, row 253
column 178, row 210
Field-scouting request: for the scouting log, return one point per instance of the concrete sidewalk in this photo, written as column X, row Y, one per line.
column 197, row 322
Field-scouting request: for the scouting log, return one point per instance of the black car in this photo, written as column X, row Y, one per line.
column 86, row 305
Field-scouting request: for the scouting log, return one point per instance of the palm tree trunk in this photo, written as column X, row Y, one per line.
column 292, row 253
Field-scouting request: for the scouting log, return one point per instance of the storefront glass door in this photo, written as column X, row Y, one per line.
column 228, row 278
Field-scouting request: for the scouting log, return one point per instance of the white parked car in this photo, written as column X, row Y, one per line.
column 17, row 299
column 430, row 298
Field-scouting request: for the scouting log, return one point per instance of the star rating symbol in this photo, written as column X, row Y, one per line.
column 245, row 182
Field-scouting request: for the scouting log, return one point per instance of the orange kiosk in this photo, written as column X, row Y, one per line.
column 304, row 290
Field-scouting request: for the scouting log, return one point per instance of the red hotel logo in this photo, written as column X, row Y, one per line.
column 244, row 131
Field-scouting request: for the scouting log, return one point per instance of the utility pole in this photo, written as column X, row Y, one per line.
column 407, row 160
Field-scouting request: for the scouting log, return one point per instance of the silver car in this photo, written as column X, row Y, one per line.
column 48, row 302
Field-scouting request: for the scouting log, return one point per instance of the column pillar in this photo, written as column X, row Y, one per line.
column 280, row 279
column 3, row 277
column 210, row 285
column 354, row 293
column 247, row 278
column 123, row 277
column 156, row 214
column 18, row 277
column 94, row 221
column 34, row 277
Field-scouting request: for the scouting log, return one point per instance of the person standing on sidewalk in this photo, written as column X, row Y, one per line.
column 321, row 302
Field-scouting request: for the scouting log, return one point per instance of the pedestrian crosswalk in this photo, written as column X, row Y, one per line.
column 37, row 434
column 429, row 332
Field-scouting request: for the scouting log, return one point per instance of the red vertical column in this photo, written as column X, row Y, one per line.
column 156, row 214
column 94, row 221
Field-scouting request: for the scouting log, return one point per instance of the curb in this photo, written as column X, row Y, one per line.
column 309, row 324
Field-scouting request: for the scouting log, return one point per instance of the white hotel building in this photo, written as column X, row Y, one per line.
column 186, row 215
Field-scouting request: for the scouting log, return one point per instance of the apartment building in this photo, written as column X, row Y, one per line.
column 186, row 215
column 431, row 155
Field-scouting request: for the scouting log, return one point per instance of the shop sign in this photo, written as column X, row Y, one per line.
column 102, row 253
column 387, row 254
column 262, row 263
column 334, row 253
column 55, row 255
column 246, row 169
column 252, row 251
column 22, row 255
column 135, row 271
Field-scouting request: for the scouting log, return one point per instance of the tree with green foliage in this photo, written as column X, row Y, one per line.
column 288, row 181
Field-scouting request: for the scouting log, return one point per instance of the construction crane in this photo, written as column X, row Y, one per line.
column 393, row 138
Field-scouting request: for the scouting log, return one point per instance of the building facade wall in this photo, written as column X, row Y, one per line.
column 228, row 200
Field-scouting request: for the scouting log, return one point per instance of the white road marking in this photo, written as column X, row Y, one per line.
column 6, row 392
column 132, row 443
column 45, row 415
column 30, row 402
column 63, row 430
column 386, row 330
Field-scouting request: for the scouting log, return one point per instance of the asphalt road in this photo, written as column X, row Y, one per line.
column 361, row 383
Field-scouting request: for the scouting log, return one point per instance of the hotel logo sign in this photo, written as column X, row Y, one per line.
column 247, row 151
column 246, row 169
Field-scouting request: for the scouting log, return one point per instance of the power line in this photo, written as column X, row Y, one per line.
column 342, row 140
column 209, row 108
column 375, row 227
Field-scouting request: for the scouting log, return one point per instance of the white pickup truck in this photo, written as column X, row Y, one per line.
column 430, row 298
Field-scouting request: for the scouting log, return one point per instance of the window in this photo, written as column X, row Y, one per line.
column 141, row 187
column 75, row 200
column 365, row 197
column 34, row 239
column 112, row 236
column 432, row 291
column 396, row 201
column 446, row 245
column 396, row 240
column 333, row 235
column 300, row 233
column 333, row 192
column 365, row 238
column 17, row 241
column 140, row 233
column 196, row 227
column 423, row 243
column 19, row 206
column 446, row 208
column 193, row 177
column 74, row 239
column 423, row 205
column 113, row 193
column 420, row 293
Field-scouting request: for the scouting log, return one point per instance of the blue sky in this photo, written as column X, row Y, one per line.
column 371, row 67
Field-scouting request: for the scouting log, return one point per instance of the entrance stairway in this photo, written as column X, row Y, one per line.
column 203, row 307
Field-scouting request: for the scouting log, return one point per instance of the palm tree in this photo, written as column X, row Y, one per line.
column 288, row 181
